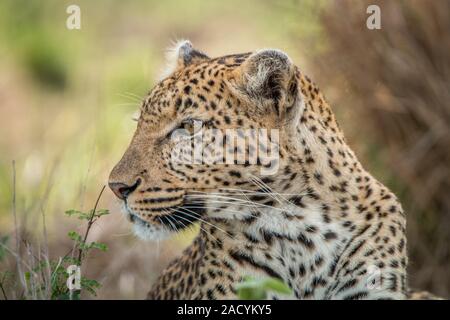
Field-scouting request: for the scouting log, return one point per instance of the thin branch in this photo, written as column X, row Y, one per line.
column 90, row 223
column 2, row 288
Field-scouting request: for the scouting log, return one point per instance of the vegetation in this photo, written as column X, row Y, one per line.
column 68, row 97
column 397, row 82
column 258, row 289
column 37, row 276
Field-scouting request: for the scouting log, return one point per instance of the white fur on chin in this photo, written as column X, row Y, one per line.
column 148, row 232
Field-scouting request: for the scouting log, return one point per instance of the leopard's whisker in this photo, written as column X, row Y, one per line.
column 248, row 214
column 235, row 201
column 197, row 216
column 125, row 104
column 249, row 192
column 122, row 234
column 248, row 202
column 213, row 226
column 167, row 216
column 226, row 210
column 240, row 191
column 251, row 207
column 261, row 183
column 158, row 248
column 129, row 95
column 287, row 194
column 203, row 229
column 214, row 208
column 254, row 206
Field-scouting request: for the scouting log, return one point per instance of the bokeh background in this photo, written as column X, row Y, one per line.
column 67, row 99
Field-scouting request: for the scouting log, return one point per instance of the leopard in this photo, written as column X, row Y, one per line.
column 310, row 216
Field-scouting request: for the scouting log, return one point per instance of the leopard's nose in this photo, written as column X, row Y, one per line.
column 122, row 190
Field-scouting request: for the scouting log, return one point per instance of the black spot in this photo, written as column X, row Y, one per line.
column 210, row 294
column 305, row 241
column 330, row 235
column 188, row 102
column 301, row 270
column 178, row 103
column 236, row 174
column 356, row 296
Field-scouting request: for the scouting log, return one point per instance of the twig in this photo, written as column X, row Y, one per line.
column 15, row 255
column 90, row 223
column 3, row 291
column 2, row 288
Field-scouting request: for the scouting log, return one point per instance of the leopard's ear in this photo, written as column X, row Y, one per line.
column 268, row 78
column 181, row 55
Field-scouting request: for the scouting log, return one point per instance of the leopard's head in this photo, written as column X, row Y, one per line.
column 174, row 173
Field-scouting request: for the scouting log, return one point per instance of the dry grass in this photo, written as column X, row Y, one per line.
column 125, row 271
column 395, row 82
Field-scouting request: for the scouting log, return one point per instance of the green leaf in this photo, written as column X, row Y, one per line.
column 62, row 296
column 3, row 244
column 79, row 214
column 252, row 294
column 70, row 260
column 257, row 288
column 90, row 285
column 101, row 212
column 6, row 276
column 84, row 216
column 98, row 245
column 72, row 212
column 277, row 285
column 75, row 236
column 76, row 295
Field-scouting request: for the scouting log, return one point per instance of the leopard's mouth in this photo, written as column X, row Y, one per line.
column 173, row 219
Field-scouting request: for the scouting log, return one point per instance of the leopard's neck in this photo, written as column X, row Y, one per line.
column 298, row 248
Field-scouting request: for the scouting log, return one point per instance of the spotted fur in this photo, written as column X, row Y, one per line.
column 321, row 223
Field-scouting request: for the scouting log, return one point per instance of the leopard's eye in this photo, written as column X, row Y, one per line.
column 193, row 126
column 189, row 127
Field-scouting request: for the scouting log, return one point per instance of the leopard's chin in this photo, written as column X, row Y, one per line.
column 173, row 220
column 149, row 232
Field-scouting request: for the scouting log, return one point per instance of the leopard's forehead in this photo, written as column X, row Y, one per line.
column 192, row 86
column 195, row 88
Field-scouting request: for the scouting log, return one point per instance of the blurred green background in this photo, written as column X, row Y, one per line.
column 67, row 99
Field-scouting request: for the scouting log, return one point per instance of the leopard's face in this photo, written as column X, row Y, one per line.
column 183, row 153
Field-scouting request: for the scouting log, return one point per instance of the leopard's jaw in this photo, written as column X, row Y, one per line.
column 150, row 232
column 143, row 229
